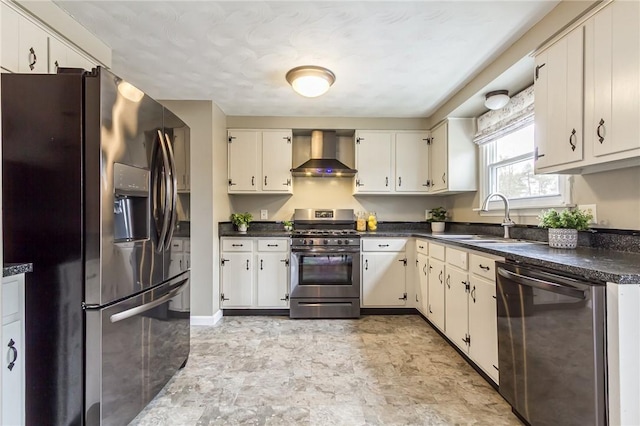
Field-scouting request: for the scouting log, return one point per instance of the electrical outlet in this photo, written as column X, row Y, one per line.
column 264, row 214
column 590, row 208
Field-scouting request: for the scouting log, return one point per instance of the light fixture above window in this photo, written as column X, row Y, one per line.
column 496, row 99
column 310, row 80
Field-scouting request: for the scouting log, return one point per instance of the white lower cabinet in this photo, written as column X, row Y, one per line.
column 180, row 261
column 483, row 325
column 457, row 306
column 254, row 273
column 384, row 273
column 13, row 337
column 435, row 285
column 421, row 276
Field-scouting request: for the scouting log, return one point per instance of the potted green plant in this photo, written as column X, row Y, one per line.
column 241, row 221
column 288, row 225
column 437, row 217
column 564, row 226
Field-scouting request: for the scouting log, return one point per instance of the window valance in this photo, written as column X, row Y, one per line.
column 514, row 116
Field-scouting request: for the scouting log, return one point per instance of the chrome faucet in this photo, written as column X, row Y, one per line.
column 506, row 222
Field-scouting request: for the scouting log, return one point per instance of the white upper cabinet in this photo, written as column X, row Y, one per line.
column 558, row 80
column 412, row 162
column 392, row 162
column 10, row 36
column 614, row 124
column 609, row 94
column 373, row 162
column 276, row 161
column 260, row 161
column 181, row 153
column 57, row 55
column 32, row 48
column 453, row 161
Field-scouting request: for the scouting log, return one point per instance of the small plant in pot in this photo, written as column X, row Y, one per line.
column 564, row 226
column 241, row 221
column 288, row 225
column 437, row 219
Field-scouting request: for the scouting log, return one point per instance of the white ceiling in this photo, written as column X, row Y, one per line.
column 391, row 59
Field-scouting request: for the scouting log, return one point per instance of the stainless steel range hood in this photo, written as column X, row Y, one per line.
column 323, row 160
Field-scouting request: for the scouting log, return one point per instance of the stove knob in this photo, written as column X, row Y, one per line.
column 339, row 241
column 326, row 241
column 304, row 242
column 311, row 242
column 346, row 242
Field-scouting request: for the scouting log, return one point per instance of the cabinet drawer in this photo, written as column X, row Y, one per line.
column 237, row 244
column 176, row 245
column 10, row 296
column 483, row 266
column 273, row 245
column 387, row 244
column 436, row 251
column 422, row 246
column 457, row 258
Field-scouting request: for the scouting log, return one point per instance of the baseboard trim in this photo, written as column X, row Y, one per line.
column 255, row 312
column 206, row 319
column 388, row 311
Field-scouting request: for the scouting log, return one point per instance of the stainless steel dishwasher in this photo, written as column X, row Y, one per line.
column 551, row 346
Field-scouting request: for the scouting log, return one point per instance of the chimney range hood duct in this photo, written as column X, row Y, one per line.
column 323, row 160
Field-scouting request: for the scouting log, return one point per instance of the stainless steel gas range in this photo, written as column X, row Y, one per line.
column 325, row 265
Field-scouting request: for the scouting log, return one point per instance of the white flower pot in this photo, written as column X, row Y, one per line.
column 563, row 238
column 242, row 228
column 437, row 227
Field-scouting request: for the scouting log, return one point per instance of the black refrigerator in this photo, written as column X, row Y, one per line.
column 89, row 196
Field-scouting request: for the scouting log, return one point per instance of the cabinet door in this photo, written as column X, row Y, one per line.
column 384, row 279
column 616, row 66
column 483, row 326
column 272, row 280
column 180, row 154
column 237, row 280
column 12, row 379
column 422, row 288
column 412, row 162
column 559, row 101
column 276, row 161
column 32, row 52
column 243, row 160
column 439, row 141
column 76, row 60
column 373, row 162
column 10, row 36
column 456, row 308
column 57, row 55
column 436, row 293
column 176, row 264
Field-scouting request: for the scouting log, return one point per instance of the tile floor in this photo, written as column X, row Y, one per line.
column 378, row 370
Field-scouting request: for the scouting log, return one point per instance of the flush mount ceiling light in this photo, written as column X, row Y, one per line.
column 310, row 80
column 496, row 99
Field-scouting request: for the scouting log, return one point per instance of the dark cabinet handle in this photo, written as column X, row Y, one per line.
column 424, row 269
column 430, row 311
column 247, row 264
column 286, row 297
column 386, row 181
column 231, row 183
column 261, row 268
column 265, row 181
column 366, row 264
column 473, row 294
column 287, row 183
column 253, row 181
column 399, row 180
column 237, row 245
column 440, row 277
column 417, row 298
column 359, row 183
column 32, row 62
column 443, row 178
column 484, row 268
column 56, row 66
column 181, row 264
column 601, row 130
column 272, row 245
column 421, row 247
column 538, row 70
column 448, row 281
column 572, row 140
column 383, row 245
column 15, row 354
column 288, row 138
column 428, row 184
column 222, row 298
column 285, row 261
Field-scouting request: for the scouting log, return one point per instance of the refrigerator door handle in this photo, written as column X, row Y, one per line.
column 167, row 201
column 174, row 192
column 120, row 316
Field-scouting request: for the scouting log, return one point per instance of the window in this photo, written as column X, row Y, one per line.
column 506, row 144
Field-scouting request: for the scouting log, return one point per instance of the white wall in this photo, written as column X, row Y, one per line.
column 200, row 117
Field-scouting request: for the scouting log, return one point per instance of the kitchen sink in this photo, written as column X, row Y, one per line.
column 484, row 239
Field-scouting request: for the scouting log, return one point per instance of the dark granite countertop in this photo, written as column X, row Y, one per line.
column 591, row 263
column 11, row 269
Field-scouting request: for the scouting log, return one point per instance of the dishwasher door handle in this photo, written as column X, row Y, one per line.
column 541, row 284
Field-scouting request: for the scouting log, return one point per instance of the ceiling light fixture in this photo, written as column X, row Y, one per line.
column 496, row 99
column 310, row 80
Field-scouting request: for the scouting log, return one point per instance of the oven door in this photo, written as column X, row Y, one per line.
column 318, row 272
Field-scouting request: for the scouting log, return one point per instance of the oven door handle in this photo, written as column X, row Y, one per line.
column 323, row 250
column 541, row 284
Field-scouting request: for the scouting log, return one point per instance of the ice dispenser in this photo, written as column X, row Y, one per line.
column 131, row 203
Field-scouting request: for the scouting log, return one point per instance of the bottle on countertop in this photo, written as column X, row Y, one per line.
column 361, row 222
column 372, row 221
